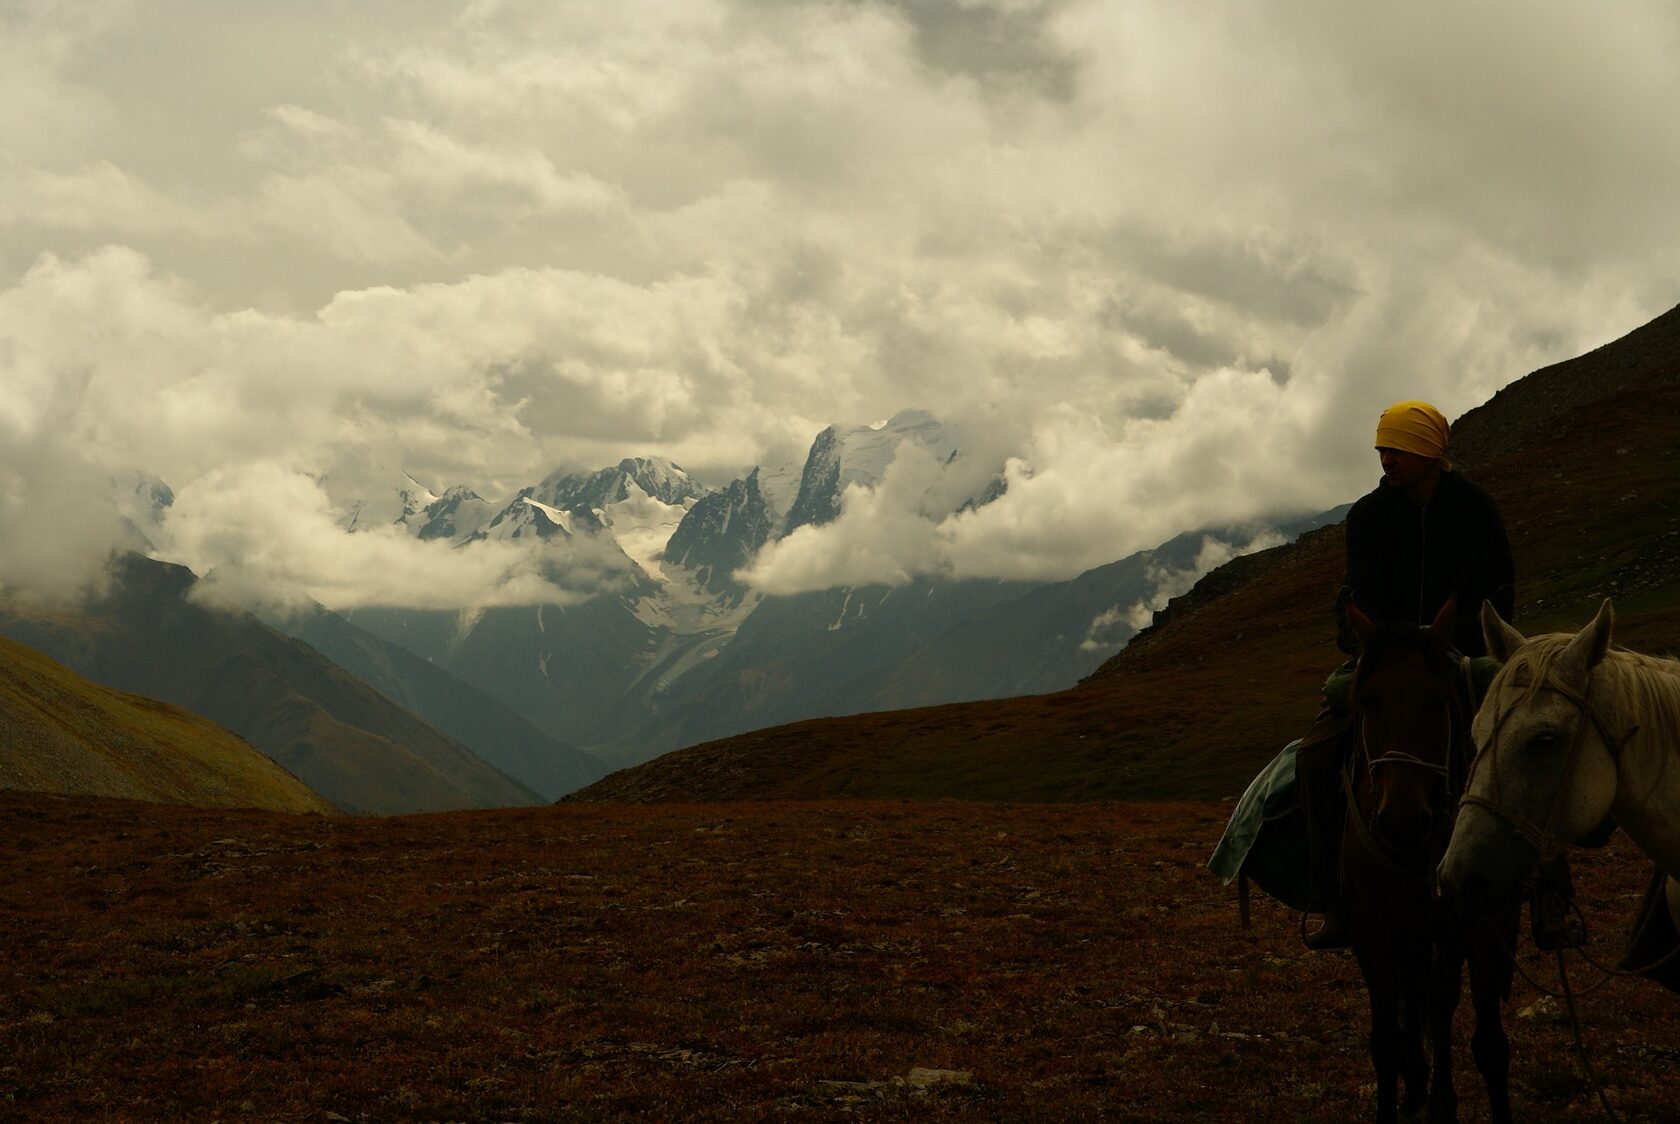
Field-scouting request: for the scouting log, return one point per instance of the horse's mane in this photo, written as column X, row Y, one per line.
column 1387, row 639
column 1645, row 689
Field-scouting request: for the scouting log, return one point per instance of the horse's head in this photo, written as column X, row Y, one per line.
column 1544, row 773
column 1404, row 694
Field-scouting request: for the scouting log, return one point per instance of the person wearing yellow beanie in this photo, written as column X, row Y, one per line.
column 1414, row 427
column 1422, row 536
column 1412, row 445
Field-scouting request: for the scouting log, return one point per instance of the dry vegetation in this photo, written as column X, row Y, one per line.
column 738, row 961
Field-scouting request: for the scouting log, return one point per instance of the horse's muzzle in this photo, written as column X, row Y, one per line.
column 1481, row 883
column 1471, row 893
column 1405, row 835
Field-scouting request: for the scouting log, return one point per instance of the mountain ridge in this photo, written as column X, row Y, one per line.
column 483, row 724
column 1230, row 670
column 690, row 653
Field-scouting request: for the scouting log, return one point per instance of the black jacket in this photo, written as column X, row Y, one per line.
column 1403, row 561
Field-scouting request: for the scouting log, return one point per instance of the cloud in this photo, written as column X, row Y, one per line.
column 1114, row 626
column 98, row 196
column 884, row 535
column 263, row 533
column 46, row 107
column 1165, row 261
column 58, row 524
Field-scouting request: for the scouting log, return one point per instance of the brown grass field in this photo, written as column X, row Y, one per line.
column 725, row 961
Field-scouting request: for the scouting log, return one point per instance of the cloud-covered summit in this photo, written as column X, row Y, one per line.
column 1166, row 261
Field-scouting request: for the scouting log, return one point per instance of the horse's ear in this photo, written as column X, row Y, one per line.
column 1592, row 642
column 1502, row 639
column 1446, row 622
column 1362, row 624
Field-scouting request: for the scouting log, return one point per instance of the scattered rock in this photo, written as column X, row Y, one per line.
column 1544, row 1008
column 921, row 1078
column 917, row 1084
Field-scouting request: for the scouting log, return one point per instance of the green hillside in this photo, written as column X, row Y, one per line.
column 347, row 741
column 60, row 733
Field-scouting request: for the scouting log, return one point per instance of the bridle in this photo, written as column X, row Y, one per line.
column 1544, row 837
column 1369, row 835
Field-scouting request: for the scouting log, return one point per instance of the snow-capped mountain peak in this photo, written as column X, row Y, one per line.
column 404, row 503
column 861, row 455
column 141, row 500
column 557, row 516
column 654, row 477
column 454, row 515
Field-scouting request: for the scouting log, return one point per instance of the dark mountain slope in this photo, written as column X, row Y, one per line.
column 1052, row 636
column 568, row 670
column 1522, row 415
column 812, row 653
column 60, row 733
column 341, row 737
column 483, row 724
column 1195, row 704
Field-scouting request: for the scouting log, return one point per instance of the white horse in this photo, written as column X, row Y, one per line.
column 1571, row 731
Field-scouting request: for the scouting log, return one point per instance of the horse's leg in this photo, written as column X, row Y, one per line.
column 1446, row 986
column 1413, row 964
column 1490, row 985
column 1385, row 1030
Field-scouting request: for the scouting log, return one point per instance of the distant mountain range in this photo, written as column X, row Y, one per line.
column 684, row 651
column 1581, row 456
column 392, row 710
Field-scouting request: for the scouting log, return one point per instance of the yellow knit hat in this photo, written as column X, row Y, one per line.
column 1413, row 427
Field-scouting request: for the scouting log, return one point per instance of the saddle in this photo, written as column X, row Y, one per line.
column 1265, row 840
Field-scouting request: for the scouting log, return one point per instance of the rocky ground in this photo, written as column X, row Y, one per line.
column 830, row 960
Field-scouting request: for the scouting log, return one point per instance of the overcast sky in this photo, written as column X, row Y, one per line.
column 1171, row 258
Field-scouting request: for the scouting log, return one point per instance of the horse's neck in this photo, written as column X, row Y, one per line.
column 1647, row 804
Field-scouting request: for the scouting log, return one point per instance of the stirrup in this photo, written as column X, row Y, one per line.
column 1335, row 932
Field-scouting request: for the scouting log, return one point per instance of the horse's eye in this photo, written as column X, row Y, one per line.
column 1545, row 739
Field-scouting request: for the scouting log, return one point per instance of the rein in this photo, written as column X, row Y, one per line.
column 1374, row 847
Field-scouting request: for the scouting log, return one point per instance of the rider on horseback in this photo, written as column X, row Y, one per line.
column 1423, row 535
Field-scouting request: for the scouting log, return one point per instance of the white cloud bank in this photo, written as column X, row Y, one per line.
column 1114, row 626
column 1170, row 259
column 264, row 533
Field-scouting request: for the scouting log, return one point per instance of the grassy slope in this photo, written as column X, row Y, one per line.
column 1194, row 707
column 705, row 962
column 347, row 741
column 61, row 733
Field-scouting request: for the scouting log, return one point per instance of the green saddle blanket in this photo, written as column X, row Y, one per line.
column 1266, row 837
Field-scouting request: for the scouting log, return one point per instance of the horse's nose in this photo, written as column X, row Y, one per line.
column 1406, row 829
column 1470, row 892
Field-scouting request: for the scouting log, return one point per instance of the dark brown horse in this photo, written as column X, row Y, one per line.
column 1411, row 717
